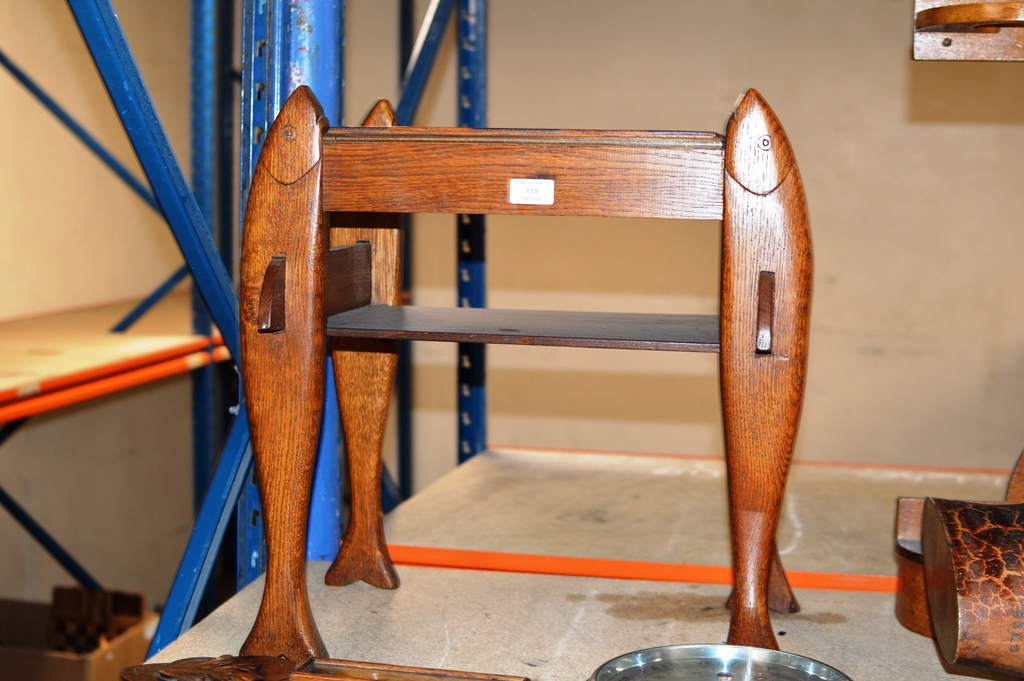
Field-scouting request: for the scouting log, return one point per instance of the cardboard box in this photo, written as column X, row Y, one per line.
column 24, row 655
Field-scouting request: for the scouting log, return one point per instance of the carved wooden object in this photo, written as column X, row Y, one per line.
column 977, row 17
column 284, row 363
column 223, row 668
column 374, row 172
column 364, row 374
column 766, row 253
column 911, row 598
column 249, row 668
column 974, row 574
column 963, row 30
column 317, row 670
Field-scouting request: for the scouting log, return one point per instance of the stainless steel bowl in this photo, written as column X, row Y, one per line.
column 714, row 663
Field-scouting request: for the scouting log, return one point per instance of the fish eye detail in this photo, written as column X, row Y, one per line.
column 764, row 143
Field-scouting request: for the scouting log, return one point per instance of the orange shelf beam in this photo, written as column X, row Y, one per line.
column 80, row 392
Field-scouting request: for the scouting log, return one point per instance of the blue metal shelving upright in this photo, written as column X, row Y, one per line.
column 212, row 97
column 471, row 232
column 105, row 39
column 284, row 44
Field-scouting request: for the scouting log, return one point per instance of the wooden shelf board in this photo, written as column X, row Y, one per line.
column 624, row 330
column 72, row 350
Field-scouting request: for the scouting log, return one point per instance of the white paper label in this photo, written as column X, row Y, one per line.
column 532, row 192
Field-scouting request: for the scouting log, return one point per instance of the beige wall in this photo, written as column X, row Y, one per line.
column 73, row 233
column 110, row 479
column 914, row 181
column 912, row 173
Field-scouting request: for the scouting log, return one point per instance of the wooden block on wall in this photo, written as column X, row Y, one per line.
column 997, row 43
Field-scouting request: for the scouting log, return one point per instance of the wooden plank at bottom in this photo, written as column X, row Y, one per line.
column 625, row 330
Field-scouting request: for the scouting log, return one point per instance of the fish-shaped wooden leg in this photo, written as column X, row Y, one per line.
column 766, row 289
column 364, row 372
column 283, row 363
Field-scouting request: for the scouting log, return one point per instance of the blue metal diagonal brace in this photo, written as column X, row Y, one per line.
column 424, row 54
column 109, row 48
column 115, row 166
column 210, row 525
column 80, row 132
column 49, row 544
column 149, row 301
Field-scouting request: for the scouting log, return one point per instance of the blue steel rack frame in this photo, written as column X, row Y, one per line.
column 212, row 103
column 471, row 232
column 284, row 45
column 110, row 51
column 282, row 49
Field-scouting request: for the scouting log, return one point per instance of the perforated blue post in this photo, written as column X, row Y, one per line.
column 316, row 49
column 203, row 114
column 471, row 253
column 285, row 45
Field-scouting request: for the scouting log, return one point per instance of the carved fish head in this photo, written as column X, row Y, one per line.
column 757, row 152
column 293, row 145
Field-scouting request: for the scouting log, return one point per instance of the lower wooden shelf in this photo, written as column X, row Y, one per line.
column 61, row 359
column 624, row 330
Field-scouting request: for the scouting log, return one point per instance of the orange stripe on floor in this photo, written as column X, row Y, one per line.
column 573, row 566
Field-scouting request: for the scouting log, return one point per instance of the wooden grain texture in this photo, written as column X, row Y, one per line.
column 974, row 573
column 364, row 374
column 911, row 599
column 968, row 31
column 370, row 671
column 633, row 331
column 223, row 668
column 453, row 170
column 751, row 181
column 765, row 311
column 911, row 596
column 347, row 278
column 271, row 314
column 283, row 372
column 765, row 230
column 260, row 668
column 1015, row 487
column 974, row 17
